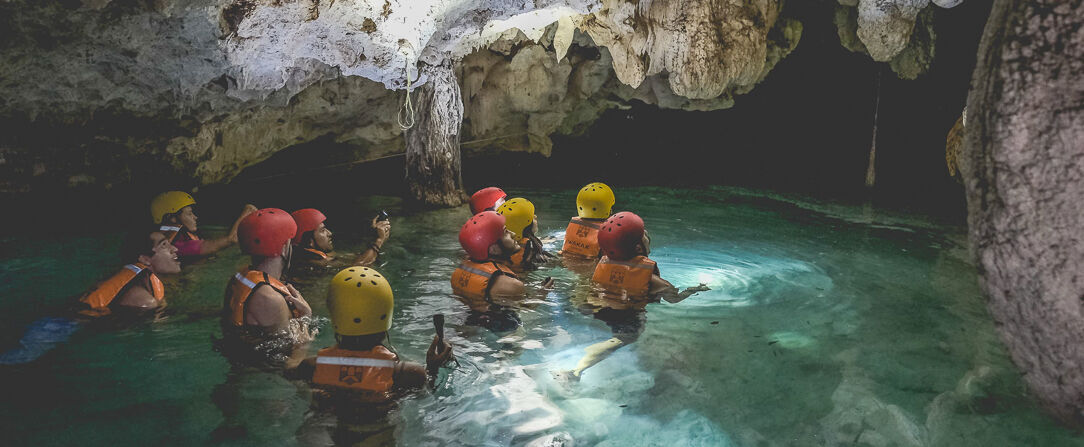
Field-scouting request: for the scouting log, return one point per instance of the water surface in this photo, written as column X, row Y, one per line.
column 826, row 324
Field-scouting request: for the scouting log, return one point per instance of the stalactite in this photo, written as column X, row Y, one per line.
column 432, row 145
column 871, row 172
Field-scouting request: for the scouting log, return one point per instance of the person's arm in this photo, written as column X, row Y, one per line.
column 661, row 288
column 209, row 246
column 303, row 370
column 506, row 288
column 299, row 325
column 383, row 231
column 137, row 297
column 409, row 375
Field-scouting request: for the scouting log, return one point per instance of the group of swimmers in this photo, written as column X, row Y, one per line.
column 501, row 242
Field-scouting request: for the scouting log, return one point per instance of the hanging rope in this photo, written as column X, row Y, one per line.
column 406, row 111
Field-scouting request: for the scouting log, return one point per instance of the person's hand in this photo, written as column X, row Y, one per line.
column 383, row 230
column 299, row 303
column 547, row 284
column 248, row 209
column 439, row 353
column 700, row 288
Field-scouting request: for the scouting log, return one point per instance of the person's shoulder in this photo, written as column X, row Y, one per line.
column 136, row 296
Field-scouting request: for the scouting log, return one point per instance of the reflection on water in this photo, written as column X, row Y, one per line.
column 826, row 324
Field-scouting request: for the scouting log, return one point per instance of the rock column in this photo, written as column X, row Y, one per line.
column 432, row 145
column 1023, row 168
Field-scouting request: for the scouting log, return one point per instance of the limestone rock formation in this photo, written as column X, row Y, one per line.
column 1023, row 169
column 432, row 144
column 899, row 32
column 106, row 92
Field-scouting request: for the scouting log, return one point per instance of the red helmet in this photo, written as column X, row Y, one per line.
column 618, row 236
column 264, row 232
column 481, row 231
column 486, row 199
column 307, row 220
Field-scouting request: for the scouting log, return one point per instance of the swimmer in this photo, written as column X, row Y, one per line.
column 627, row 280
column 173, row 211
column 361, row 366
column 136, row 286
column 519, row 218
column 313, row 246
column 484, row 282
column 593, row 205
column 134, row 290
column 257, row 301
column 486, row 199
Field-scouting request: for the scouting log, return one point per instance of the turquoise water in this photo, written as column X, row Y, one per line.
column 826, row 324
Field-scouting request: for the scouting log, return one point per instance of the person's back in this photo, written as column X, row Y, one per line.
column 626, row 280
column 360, row 367
column 593, row 205
column 258, row 306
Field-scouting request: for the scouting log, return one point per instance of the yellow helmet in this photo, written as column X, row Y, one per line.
column 360, row 302
column 594, row 201
column 168, row 203
column 518, row 215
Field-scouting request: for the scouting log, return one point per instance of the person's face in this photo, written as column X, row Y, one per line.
column 163, row 258
column 645, row 245
column 188, row 218
column 532, row 229
column 508, row 243
column 321, row 237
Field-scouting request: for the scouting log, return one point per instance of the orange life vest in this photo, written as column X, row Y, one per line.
column 372, row 372
column 319, row 254
column 625, row 279
column 472, row 280
column 100, row 296
column 172, row 232
column 581, row 238
column 240, row 288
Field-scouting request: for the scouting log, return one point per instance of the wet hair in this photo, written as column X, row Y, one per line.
column 136, row 243
column 307, row 239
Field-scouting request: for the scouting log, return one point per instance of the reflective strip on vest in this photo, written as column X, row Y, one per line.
column 356, row 361
column 248, row 283
column 236, row 297
column 101, row 296
column 471, row 280
column 476, row 271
